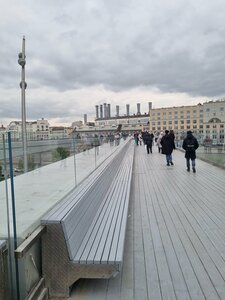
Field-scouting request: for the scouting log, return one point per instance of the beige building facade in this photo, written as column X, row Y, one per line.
column 207, row 120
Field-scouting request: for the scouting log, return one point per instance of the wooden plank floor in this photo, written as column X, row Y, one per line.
column 175, row 244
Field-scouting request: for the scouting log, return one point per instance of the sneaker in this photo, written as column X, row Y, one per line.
column 194, row 171
column 171, row 163
column 188, row 169
column 167, row 164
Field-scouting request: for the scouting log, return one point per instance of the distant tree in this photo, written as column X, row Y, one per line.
column 61, row 153
column 30, row 163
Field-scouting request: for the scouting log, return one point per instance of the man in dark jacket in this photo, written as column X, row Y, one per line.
column 190, row 144
column 168, row 145
column 148, row 142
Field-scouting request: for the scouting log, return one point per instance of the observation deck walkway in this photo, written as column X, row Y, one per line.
column 175, row 242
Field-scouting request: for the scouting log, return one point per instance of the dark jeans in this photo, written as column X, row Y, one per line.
column 168, row 158
column 149, row 148
column 188, row 163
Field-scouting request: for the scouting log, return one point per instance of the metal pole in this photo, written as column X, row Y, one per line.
column 23, row 85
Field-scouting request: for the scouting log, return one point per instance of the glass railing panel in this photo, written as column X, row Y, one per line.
column 84, row 158
column 6, row 215
column 214, row 154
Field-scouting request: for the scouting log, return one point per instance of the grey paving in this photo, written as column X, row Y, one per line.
column 175, row 240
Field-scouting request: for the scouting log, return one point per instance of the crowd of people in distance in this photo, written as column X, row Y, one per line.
column 165, row 142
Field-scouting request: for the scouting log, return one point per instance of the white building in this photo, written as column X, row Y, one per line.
column 42, row 129
column 15, row 127
column 214, row 120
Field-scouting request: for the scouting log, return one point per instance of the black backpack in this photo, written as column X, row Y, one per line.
column 190, row 144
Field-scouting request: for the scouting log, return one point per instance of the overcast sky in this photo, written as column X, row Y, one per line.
column 86, row 52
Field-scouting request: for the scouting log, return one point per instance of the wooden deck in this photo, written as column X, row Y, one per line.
column 175, row 245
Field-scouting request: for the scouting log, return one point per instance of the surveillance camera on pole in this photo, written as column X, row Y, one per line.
column 23, row 86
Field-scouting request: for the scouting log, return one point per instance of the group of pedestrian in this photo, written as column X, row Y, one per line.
column 166, row 145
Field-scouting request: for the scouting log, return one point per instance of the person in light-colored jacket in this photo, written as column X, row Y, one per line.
column 159, row 142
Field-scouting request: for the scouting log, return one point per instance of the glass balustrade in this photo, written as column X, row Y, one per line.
column 208, row 152
column 54, row 168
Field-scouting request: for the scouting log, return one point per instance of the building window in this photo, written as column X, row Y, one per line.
column 207, row 126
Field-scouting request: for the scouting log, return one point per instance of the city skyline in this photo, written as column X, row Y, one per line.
column 84, row 53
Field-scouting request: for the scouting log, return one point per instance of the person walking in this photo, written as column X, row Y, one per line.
column 159, row 142
column 171, row 134
column 140, row 138
column 190, row 144
column 168, row 146
column 148, row 142
column 136, row 138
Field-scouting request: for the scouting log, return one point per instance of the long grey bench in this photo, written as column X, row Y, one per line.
column 86, row 232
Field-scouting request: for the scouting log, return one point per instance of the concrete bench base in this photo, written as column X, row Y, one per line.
column 55, row 249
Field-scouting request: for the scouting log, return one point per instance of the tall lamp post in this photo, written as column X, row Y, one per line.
column 23, row 85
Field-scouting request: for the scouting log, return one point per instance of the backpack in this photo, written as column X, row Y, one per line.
column 190, row 144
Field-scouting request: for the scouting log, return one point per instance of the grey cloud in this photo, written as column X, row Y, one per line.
column 173, row 47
